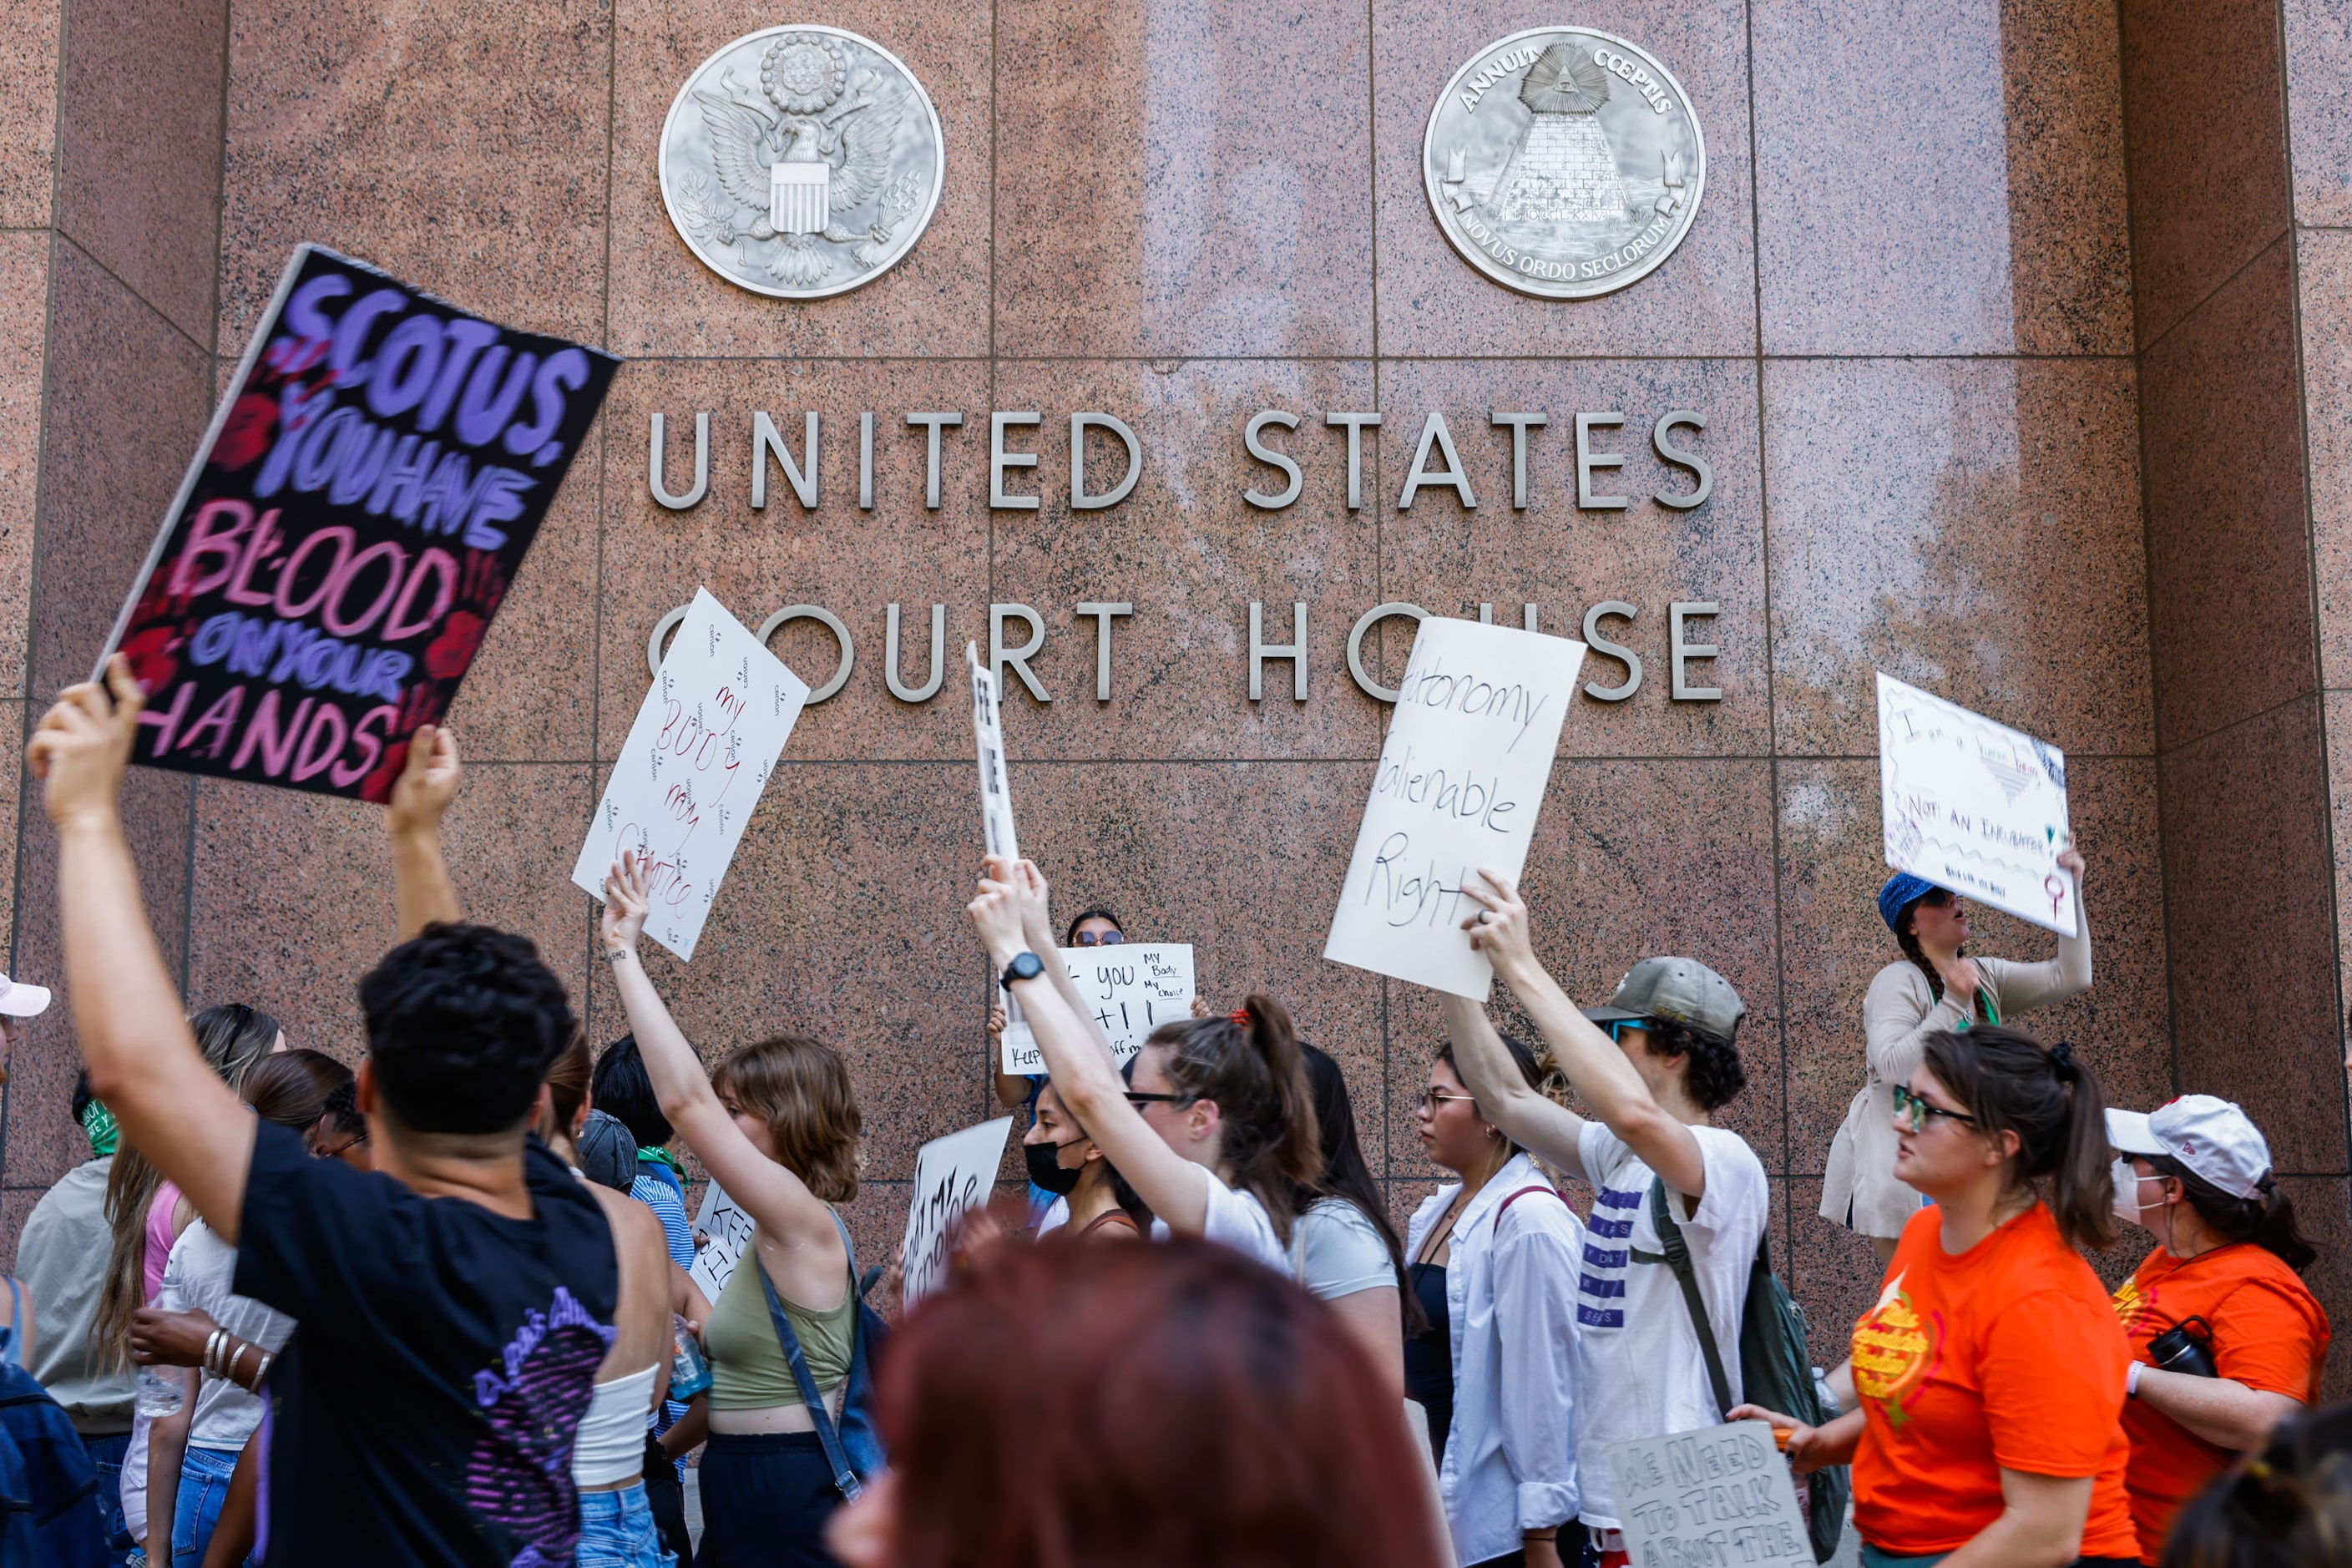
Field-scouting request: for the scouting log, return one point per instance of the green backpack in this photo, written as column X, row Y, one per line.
column 1776, row 1371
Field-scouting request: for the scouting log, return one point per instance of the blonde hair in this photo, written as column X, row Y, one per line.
column 800, row 1087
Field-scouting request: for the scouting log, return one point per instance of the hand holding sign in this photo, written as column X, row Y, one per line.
column 1721, row 1494
column 1457, row 787
column 706, row 738
column 1975, row 806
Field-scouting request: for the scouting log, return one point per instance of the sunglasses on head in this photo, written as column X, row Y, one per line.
column 1101, row 939
column 1915, row 1109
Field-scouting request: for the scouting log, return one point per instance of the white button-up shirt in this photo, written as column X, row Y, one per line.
column 1510, row 1306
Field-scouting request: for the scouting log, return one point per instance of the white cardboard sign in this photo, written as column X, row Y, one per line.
column 1722, row 1494
column 704, row 740
column 727, row 1233
column 987, row 742
column 953, row 1175
column 1974, row 806
column 1130, row 989
column 1458, row 786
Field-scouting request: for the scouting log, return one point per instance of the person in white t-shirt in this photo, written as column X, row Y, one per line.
column 1214, row 1129
column 1667, row 1063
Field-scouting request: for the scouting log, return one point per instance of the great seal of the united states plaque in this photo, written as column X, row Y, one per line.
column 802, row 160
column 1564, row 162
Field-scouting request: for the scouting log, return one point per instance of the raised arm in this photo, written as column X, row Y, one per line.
column 2024, row 985
column 1504, row 1097
column 777, row 1201
column 141, row 1057
column 420, row 877
column 1596, row 1069
column 1080, row 1065
column 1035, row 899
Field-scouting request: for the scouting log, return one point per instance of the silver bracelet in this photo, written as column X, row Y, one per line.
column 212, row 1350
column 261, row 1373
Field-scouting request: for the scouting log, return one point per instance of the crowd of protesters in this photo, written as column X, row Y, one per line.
column 441, row 1308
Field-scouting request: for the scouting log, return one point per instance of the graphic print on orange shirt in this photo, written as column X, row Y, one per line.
column 1895, row 1349
column 2135, row 1306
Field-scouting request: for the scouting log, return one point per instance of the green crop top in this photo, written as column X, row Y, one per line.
column 747, row 1369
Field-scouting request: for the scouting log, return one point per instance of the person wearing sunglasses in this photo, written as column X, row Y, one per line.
column 1493, row 1364
column 1211, row 1123
column 1654, row 1066
column 1989, row 1428
column 1936, row 985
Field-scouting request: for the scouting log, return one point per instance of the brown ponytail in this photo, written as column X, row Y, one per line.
column 2267, row 1221
column 2010, row 1083
column 1249, row 1064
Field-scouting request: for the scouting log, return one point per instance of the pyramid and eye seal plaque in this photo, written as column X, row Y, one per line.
column 801, row 162
column 1564, row 162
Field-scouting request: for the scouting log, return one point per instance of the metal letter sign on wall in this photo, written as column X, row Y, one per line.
column 1564, row 162
column 801, row 162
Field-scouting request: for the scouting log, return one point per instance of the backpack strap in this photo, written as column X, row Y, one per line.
column 845, row 1478
column 1677, row 1258
column 10, row 1355
column 1515, row 1197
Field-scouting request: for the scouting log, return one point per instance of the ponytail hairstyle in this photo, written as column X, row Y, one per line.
column 2288, row 1506
column 294, row 1088
column 232, row 1036
column 567, row 1093
column 1249, row 1064
column 2010, row 1083
column 1347, row 1176
column 2267, row 1221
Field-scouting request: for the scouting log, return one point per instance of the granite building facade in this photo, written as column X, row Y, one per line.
column 2020, row 331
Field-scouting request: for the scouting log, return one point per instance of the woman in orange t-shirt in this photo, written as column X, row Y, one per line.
column 2197, row 1172
column 1991, row 1373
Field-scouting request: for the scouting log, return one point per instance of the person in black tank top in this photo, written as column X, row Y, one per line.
column 1429, row 1354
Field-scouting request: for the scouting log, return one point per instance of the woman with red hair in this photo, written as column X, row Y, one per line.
column 1065, row 1406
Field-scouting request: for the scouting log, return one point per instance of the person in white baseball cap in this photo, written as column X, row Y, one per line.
column 18, row 1002
column 2226, row 1339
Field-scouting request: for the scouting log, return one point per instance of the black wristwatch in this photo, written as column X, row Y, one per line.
column 1024, row 966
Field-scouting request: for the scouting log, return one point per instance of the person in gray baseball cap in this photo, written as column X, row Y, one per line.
column 1654, row 1064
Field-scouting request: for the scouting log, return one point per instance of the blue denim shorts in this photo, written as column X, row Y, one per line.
column 616, row 1530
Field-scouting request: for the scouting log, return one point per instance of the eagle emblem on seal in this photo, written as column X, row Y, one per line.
column 814, row 157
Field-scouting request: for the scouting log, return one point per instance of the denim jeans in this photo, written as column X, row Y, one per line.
column 204, row 1487
column 106, row 1456
column 616, row 1530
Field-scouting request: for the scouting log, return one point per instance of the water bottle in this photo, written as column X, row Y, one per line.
column 689, row 1369
column 160, row 1395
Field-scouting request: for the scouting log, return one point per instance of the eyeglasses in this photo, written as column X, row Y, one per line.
column 1432, row 1099
column 1100, row 937
column 1137, row 1097
column 1915, row 1109
column 340, row 1150
column 1615, row 1026
column 1939, row 899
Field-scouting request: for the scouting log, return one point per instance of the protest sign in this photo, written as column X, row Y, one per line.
column 988, row 740
column 1974, row 806
column 726, row 1232
column 953, row 1175
column 1719, row 1495
column 352, row 519
column 706, row 738
column 1457, row 788
column 1130, row 989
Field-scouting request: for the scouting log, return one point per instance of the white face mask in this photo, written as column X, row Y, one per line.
column 2126, row 1181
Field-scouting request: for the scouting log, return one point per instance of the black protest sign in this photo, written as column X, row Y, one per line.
column 354, row 518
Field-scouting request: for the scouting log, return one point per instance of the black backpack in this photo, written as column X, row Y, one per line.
column 1775, row 1370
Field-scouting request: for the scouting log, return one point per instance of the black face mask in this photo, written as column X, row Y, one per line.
column 1046, row 1170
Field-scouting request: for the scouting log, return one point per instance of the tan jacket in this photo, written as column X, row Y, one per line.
column 1898, row 1015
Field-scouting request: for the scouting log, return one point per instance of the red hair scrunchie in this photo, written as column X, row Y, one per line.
column 1241, row 1018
